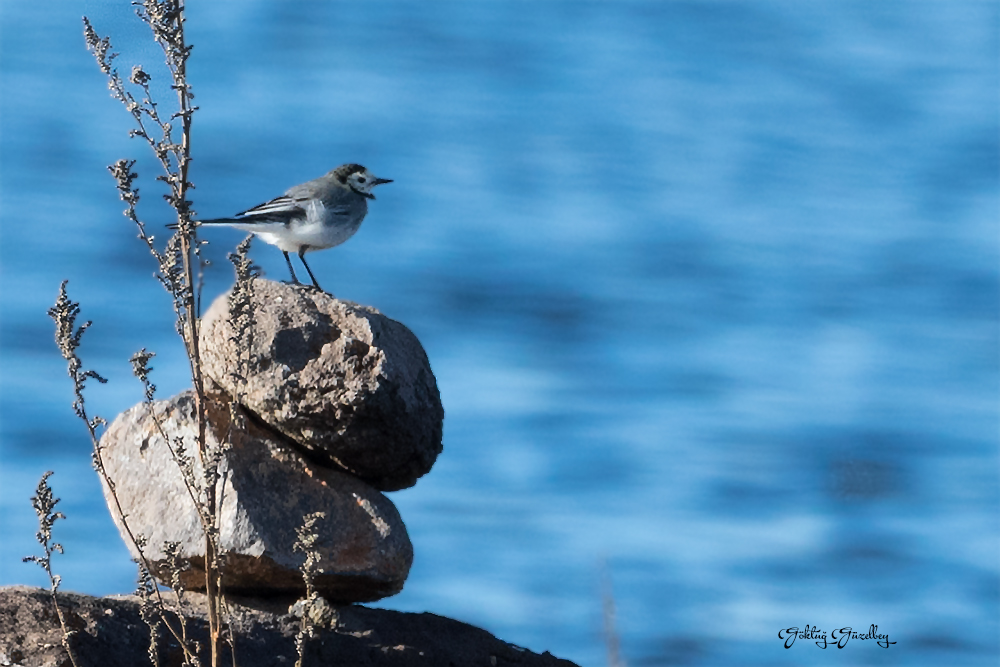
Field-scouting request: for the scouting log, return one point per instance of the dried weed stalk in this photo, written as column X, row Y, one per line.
column 175, row 566
column 68, row 337
column 242, row 318
column 45, row 504
column 177, row 262
column 150, row 612
column 314, row 610
column 178, row 452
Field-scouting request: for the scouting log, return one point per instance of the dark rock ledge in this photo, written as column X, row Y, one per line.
column 110, row 633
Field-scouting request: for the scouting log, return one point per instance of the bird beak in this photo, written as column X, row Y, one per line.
column 378, row 181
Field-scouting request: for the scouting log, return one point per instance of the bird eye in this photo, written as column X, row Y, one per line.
column 361, row 179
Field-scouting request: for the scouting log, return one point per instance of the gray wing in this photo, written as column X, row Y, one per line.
column 279, row 209
column 296, row 203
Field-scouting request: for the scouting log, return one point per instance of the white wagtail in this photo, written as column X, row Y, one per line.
column 315, row 215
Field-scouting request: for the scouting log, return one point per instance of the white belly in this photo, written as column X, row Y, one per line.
column 311, row 234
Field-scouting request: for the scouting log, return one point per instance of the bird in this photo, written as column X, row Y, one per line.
column 315, row 215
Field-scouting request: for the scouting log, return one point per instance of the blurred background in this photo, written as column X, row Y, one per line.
column 710, row 290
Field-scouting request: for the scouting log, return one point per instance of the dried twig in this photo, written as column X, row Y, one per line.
column 177, row 262
column 45, row 504
column 68, row 337
column 315, row 611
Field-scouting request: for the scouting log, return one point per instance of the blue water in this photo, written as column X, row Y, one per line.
column 710, row 289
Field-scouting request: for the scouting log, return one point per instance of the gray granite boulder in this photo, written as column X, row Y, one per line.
column 266, row 487
column 348, row 385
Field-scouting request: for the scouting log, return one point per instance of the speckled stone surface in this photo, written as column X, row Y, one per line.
column 347, row 384
column 266, row 487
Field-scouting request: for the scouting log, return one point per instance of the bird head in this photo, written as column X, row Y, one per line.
column 358, row 179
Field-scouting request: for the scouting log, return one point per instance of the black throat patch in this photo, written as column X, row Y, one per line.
column 359, row 192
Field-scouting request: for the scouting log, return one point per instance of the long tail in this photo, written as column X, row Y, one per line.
column 214, row 221
column 222, row 221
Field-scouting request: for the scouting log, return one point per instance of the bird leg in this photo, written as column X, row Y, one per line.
column 291, row 270
column 302, row 256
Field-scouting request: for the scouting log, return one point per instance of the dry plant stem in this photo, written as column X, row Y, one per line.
column 141, row 369
column 68, row 337
column 44, row 504
column 166, row 21
column 149, row 612
column 175, row 566
column 307, row 538
column 241, row 313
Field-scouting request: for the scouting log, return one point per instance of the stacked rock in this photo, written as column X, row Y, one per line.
column 336, row 404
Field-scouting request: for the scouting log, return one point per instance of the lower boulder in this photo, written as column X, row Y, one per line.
column 264, row 489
